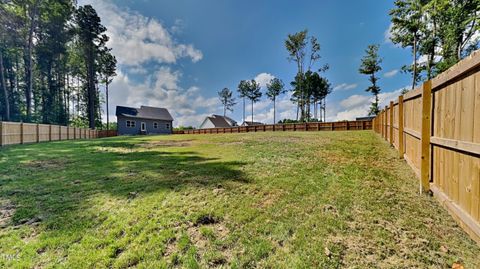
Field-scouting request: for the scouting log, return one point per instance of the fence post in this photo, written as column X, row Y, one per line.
column 386, row 123
column 50, row 132
column 21, row 132
column 348, row 126
column 38, row 133
column 59, row 132
column 391, row 122
column 380, row 125
column 425, row 140
column 401, row 146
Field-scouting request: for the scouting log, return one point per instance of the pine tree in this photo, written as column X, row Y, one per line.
column 371, row 66
column 227, row 100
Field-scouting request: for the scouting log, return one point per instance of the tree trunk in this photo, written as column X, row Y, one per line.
column 252, row 111
column 274, row 121
column 4, row 89
column 106, row 96
column 244, row 109
column 414, row 61
column 29, row 62
column 91, row 88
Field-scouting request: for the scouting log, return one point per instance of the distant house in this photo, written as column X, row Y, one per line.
column 217, row 121
column 251, row 123
column 143, row 120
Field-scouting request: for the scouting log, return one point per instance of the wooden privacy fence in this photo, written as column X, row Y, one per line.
column 309, row 126
column 107, row 133
column 12, row 133
column 436, row 128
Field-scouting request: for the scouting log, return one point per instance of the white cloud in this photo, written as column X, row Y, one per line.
column 391, row 73
column 354, row 101
column 358, row 105
column 136, row 39
column 345, row 87
column 387, row 35
column 162, row 90
column 263, row 79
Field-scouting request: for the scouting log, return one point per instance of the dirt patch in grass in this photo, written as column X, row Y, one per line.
column 166, row 143
column 207, row 239
column 269, row 199
column 51, row 164
column 7, row 209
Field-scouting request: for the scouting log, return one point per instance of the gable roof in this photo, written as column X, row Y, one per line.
column 144, row 112
column 220, row 121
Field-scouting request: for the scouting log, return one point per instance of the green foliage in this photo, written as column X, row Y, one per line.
column 370, row 65
column 442, row 31
column 253, row 92
column 53, row 56
column 227, row 100
column 274, row 88
column 242, row 89
column 304, row 50
column 181, row 128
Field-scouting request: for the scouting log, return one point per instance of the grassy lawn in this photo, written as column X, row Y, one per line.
column 268, row 200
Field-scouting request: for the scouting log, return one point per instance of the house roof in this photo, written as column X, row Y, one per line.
column 220, row 121
column 144, row 112
column 228, row 119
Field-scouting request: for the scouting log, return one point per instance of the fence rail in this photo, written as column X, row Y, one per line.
column 12, row 133
column 309, row 126
column 436, row 128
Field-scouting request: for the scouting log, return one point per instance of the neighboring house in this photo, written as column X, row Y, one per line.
column 368, row 118
column 251, row 123
column 143, row 120
column 217, row 121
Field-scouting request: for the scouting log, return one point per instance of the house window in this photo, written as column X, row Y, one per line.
column 155, row 125
column 131, row 123
column 168, row 126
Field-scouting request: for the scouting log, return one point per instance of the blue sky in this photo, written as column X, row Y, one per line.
column 179, row 54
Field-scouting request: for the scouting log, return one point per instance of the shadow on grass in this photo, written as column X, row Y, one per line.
column 54, row 182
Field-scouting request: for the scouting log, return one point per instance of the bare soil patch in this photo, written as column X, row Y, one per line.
column 7, row 209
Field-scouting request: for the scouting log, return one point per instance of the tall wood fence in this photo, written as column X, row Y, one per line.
column 309, row 126
column 436, row 128
column 12, row 133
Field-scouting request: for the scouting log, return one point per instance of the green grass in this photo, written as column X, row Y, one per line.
column 268, row 200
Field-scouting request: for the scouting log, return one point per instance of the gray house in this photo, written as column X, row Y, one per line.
column 143, row 120
column 217, row 121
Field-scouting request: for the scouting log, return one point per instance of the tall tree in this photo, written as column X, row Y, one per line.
column 274, row 88
column 92, row 39
column 406, row 29
column 253, row 92
column 304, row 50
column 108, row 71
column 4, row 89
column 227, row 100
column 371, row 66
column 242, row 93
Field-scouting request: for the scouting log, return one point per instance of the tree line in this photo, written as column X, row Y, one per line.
column 53, row 58
column 439, row 33
column 308, row 89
